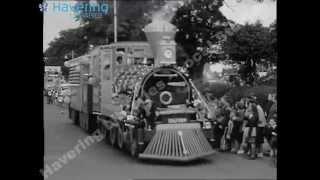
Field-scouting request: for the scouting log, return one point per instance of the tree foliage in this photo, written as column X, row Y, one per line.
column 199, row 22
column 97, row 31
column 251, row 44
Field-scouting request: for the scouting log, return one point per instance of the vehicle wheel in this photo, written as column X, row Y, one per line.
column 75, row 117
column 120, row 138
column 91, row 124
column 70, row 113
column 113, row 136
column 134, row 148
column 105, row 133
column 81, row 124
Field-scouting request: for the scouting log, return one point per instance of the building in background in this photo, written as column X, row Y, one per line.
column 52, row 76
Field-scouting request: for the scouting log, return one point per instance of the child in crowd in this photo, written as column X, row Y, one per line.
column 271, row 135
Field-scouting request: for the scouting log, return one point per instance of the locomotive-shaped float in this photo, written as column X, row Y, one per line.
column 134, row 93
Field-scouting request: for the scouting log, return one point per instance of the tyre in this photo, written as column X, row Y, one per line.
column 70, row 112
column 120, row 138
column 105, row 133
column 134, row 148
column 81, row 123
column 91, row 124
column 71, row 115
column 113, row 136
column 75, row 117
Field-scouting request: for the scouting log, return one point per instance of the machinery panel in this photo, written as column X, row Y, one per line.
column 107, row 104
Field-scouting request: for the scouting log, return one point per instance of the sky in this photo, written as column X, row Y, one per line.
column 250, row 11
column 54, row 22
column 246, row 11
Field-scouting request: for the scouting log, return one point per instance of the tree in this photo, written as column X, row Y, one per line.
column 274, row 42
column 250, row 44
column 99, row 31
column 132, row 16
column 60, row 48
column 199, row 22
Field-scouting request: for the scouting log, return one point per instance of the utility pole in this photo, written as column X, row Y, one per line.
column 115, row 20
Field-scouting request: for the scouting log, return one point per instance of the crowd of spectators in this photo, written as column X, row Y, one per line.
column 244, row 126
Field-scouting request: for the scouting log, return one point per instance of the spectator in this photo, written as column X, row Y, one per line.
column 273, row 108
column 224, row 122
column 218, row 129
column 150, row 108
column 230, row 128
column 260, row 130
column 236, row 117
column 48, row 94
column 250, row 127
column 271, row 135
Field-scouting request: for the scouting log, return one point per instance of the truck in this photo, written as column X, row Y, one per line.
column 114, row 85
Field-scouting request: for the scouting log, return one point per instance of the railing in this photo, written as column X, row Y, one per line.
column 200, row 97
column 74, row 75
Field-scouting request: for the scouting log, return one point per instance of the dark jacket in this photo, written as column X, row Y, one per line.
column 272, row 111
column 253, row 119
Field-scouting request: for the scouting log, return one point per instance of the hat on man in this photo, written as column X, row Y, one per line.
column 252, row 99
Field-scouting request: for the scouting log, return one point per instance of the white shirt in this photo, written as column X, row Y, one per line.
column 262, row 118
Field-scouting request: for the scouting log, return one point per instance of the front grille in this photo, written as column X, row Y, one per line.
column 178, row 142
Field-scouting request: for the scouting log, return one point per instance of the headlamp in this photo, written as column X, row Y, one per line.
column 130, row 117
column 168, row 53
column 207, row 125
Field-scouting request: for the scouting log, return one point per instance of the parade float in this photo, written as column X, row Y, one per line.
column 108, row 83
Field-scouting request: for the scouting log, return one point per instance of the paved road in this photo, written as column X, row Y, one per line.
column 102, row 162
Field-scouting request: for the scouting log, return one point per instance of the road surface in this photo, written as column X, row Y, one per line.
column 100, row 161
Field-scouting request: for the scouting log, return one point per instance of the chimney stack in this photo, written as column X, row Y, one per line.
column 160, row 35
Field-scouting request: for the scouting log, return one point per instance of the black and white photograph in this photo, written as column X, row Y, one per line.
column 159, row 89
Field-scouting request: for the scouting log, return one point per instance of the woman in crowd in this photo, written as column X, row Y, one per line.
column 222, row 116
column 225, row 119
column 218, row 128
